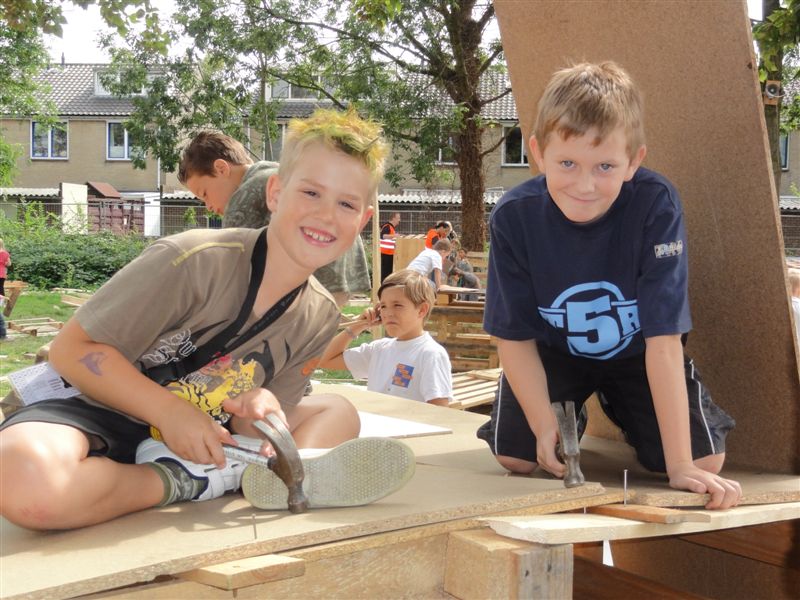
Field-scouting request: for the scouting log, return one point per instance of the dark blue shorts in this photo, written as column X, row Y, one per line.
column 624, row 394
column 111, row 434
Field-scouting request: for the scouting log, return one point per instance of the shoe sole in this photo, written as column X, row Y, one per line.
column 355, row 473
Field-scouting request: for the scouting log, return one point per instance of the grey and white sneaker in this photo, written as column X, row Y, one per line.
column 357, row 472
column 185, row 480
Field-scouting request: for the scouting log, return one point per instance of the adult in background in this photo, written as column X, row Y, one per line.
column 388, row 243
column 5, row 262
column 439, row 232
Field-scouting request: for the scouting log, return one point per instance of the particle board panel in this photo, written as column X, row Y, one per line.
column 178, row 538
column 705, row 131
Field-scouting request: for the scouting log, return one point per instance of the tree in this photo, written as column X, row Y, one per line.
column 23, row 56
column 392, row 60
column 777, row 36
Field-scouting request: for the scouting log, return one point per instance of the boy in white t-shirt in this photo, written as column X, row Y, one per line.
column 409, row 363
column 429, row 262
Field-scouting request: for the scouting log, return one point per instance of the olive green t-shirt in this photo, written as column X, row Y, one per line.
column 183, row 290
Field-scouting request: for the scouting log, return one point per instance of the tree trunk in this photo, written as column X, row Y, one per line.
column 470, row 168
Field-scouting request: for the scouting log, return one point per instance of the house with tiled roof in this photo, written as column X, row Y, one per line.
column 89, row 143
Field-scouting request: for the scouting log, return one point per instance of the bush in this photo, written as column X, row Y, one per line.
column 45, row 257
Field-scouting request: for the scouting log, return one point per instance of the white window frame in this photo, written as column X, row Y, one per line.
column 524, row 149
column 49, row 142
column 439, row 160
column 784, row 151
column 127, row 143
column 290, row 89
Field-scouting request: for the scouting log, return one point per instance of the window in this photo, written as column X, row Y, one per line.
column 784, row 149
column 514, row 151
column 119, row 145
column 446, row 154
column 290, row 91
column 49, row 142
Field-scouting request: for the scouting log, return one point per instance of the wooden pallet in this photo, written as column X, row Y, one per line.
column 36, row 326
column 474, row 388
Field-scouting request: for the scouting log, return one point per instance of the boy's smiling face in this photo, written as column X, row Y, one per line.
column 584, row 179
column 319, row 211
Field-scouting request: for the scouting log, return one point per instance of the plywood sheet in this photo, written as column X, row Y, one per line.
column 373, row 425
column 705, row 131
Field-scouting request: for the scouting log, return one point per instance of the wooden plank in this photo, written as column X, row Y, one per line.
column 170, row 589
column 482, row 565
column 770, row 543
column 572, row 528
column 651, row 514
column 247, row 571
column 597, row 581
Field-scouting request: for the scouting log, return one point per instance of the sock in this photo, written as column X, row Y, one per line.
column 178, row 484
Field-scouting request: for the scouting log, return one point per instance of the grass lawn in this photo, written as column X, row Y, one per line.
column 48, row 304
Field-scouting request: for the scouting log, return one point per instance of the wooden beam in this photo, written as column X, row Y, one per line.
column 247, row 571
column 599, row 582
column 771, row 543
column 483, row 565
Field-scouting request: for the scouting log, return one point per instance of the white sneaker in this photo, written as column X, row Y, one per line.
column 217, row 481
column 354, row 473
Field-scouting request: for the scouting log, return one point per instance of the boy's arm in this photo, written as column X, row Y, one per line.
column 523, row 368
column 439, row 401
column 101, row 372
column 333, row 357
column 665, row 373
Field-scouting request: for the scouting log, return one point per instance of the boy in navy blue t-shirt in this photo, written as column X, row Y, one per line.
column 587, row 292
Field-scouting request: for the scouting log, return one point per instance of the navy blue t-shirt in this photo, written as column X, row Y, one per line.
column 596, row 289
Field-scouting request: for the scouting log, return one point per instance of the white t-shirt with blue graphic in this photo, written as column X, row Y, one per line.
column 417, row 369
column 594, row 290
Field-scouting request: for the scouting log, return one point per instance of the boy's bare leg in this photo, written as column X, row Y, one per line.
column 48, row 481
column 323, row 421
column 517, row 465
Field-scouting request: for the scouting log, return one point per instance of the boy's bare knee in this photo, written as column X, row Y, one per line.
column 711, row 463
column 517, row 465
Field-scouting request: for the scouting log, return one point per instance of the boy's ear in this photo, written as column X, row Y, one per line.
column 273, row 191
column 366, row 217
column 536, row 153
column 636, row 162
column 423, row 309
column 221, row 168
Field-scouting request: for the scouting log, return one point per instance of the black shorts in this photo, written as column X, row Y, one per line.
column 624, row 394
column 112, row 435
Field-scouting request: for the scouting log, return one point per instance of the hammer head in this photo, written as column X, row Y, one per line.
column 569, row 447
column 286, row 463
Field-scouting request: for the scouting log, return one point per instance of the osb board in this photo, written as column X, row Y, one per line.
column 577, row 528
column 141, row 546
column 705, row 131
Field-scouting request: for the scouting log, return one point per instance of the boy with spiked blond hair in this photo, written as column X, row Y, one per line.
column 587, row 292
column 408, row 363
column 237, row 328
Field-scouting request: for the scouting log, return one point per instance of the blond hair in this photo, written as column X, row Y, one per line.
column 343, row 131
column 586, row 96
column 416, row 287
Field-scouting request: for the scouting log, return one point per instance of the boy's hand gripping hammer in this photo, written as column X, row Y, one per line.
column 569, row 447
column 286, row 463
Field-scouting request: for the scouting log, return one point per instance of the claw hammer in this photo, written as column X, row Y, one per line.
column 569, row 447
column 286, row 463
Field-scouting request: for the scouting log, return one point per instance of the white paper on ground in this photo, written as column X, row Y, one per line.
column 373, row 425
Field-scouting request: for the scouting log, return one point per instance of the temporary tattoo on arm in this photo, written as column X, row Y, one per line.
column 92, row 361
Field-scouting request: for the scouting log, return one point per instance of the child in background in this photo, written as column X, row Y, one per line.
column 430, row 263
column 409, row 363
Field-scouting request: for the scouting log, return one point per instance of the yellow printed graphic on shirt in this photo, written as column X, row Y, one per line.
column 209, row 387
